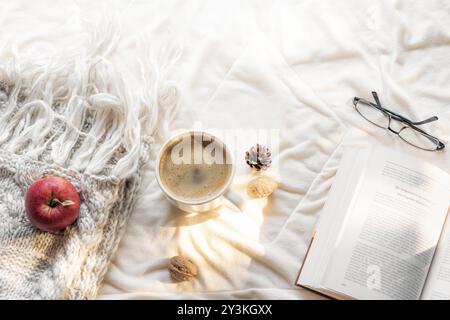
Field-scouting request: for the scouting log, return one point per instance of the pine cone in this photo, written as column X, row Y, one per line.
column 258, row 157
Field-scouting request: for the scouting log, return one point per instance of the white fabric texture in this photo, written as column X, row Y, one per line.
column 291, row 65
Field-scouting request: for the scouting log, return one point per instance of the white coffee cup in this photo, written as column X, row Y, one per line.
column 195, row 205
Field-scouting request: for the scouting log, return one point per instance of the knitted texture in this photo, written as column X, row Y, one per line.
column 69, row 264
column 72, row 117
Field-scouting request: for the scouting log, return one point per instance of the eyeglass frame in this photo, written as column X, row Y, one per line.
column 392, row 115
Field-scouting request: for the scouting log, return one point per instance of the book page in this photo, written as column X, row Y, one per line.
column 437, row 286
column 392, row 229
column 332, row 217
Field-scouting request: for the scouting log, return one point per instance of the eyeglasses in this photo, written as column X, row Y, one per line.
column 408, row 130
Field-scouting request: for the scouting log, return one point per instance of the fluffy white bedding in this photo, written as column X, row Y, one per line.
column 287, row 65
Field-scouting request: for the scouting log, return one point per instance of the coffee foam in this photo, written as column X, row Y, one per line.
column 194, row 181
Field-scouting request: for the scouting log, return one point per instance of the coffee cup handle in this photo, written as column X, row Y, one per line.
column 235, row 198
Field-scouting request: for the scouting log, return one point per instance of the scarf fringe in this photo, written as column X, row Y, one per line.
column 76, row 110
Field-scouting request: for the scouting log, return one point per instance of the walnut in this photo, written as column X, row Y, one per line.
column 262, row 186
column 182, row 269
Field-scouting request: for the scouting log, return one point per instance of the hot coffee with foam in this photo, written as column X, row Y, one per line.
column 194, row 168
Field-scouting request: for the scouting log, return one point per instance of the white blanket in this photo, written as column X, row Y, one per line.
column 292, row 66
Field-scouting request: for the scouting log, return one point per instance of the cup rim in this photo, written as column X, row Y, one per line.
column 168, row 193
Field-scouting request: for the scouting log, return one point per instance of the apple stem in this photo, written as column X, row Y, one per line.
column 54, row 202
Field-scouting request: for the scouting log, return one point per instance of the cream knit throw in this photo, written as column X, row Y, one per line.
column 71, row 116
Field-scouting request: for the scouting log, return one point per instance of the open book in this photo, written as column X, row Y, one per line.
column 383, row 232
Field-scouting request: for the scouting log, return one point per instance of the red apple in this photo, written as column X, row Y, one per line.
column 52, row 204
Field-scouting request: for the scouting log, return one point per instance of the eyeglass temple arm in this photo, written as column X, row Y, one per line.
column 377, row 100
column 417, row 123
column 431, row 119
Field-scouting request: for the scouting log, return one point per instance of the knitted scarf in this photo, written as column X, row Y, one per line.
column 72, row 116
